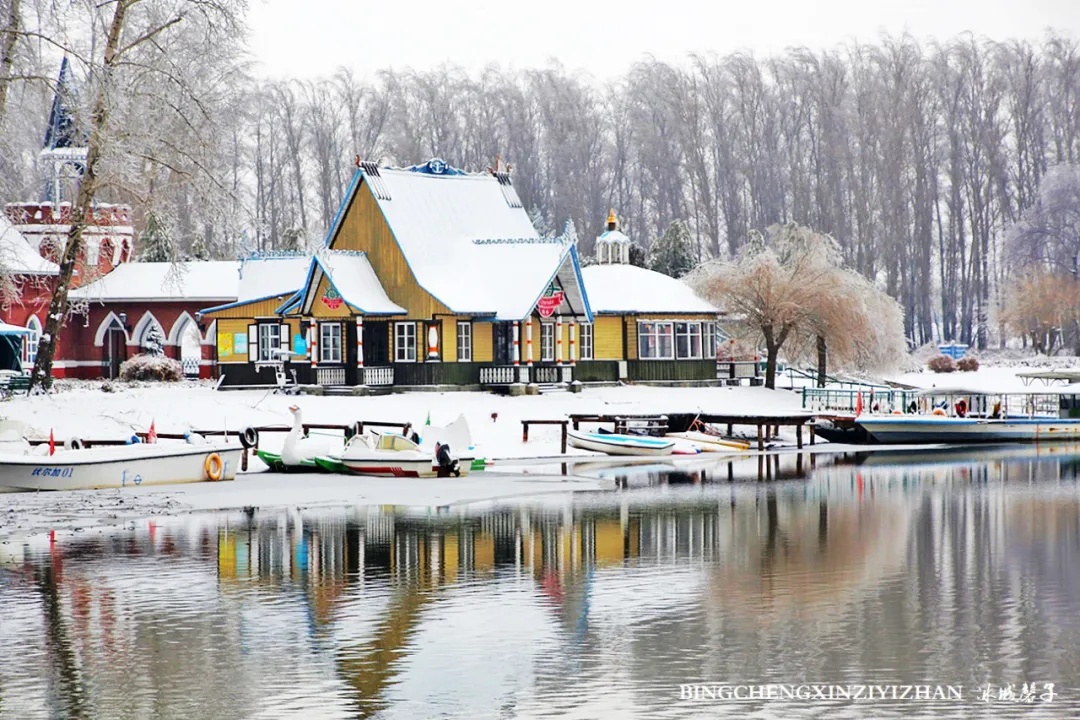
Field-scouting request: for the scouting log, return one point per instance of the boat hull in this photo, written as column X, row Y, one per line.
column 275, row 464
column 116, row 467
column 710, row 443
column 619, row 444
column 389, row 465
column 935, row 429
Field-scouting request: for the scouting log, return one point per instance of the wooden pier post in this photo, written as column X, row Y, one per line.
column 760, row 438
column 798, row 436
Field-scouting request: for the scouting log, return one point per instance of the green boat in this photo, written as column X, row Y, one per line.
column 273, row 461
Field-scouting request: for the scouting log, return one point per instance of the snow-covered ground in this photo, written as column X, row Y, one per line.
column 84, row 410
column 29, row 514
column 998, row 378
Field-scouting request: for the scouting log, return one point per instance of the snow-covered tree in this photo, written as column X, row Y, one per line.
column 150, row 92
column 772, row 284
column 673, row 254
column 154, row 341
column 199, row 251
column 156, row 244
column 293, row 240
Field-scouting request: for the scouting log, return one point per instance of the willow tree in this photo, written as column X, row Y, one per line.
column 146, row 48
column 851, row 325
column 774, row 285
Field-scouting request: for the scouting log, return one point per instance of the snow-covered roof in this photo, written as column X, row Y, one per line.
column 630, row 289
column 265, row 277
column 207, row 280
column 615, row 236
column 354, row 280
column 16, row 255
column 6, row 329
column 468, row 240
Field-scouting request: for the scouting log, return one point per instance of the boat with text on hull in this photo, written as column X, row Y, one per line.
column 119, row 466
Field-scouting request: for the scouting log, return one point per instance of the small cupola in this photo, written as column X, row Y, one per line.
column 612, row 247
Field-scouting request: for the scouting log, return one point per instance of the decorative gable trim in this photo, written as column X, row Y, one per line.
column 378, row 187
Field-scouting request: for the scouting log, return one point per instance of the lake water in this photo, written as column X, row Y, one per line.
column 953, row 574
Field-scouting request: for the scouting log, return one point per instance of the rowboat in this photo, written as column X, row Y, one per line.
column 710, row 443
column 119, row 467
column 392, row 455
column 613, row 444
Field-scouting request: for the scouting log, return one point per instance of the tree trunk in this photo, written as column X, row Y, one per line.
column 88, row 185
column 822, row 360
column 771, row 353
column 7, row 51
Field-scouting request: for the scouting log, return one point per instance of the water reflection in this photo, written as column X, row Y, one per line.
column 935, row 568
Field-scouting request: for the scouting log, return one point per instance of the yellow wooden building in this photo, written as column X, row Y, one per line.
column 434, row 276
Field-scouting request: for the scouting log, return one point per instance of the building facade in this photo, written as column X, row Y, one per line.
column 431, row 276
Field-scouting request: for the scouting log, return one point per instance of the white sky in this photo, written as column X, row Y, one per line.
column 312, row 38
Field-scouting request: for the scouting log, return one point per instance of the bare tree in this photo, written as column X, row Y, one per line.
column 134, row 37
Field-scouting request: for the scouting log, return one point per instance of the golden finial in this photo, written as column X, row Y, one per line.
column 611, row 224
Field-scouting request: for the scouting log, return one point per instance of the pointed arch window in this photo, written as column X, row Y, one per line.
column 30, row 343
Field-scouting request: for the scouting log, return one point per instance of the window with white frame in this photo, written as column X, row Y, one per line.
column 656, row 340
column 269, row 341
column 547, row 342
column 405, row 342
column 688, row 340
column 330, row 342
column 586, row 341
column 30, row 342
column 464, row 341
column 708, row 340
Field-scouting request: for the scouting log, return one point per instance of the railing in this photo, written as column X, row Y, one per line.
column 191, row 367
column 505, row 374
column 330, row 376
column 378, row 376
column 842, row 400
column 550, row 374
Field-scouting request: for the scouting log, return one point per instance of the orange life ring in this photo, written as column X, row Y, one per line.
column 938, row 411
column 214, row 467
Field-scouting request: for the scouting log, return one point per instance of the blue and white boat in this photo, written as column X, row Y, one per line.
column 971, row 416
column 614, row 444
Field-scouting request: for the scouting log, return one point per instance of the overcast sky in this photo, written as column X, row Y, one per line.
column 310, row 38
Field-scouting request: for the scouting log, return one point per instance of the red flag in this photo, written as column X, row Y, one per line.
column 151, row 437
column 52, row 442
column 858, row 404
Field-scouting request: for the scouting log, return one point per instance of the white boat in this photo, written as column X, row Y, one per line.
column 392, row 455
column 614, row 444
column 710, row 443
column 889, row 429
column 119, row 466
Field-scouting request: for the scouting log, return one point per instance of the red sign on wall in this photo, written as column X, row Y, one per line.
column 331, row 298
column 551, row 300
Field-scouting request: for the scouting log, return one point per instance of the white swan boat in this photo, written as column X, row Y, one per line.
column 119, row 466
column 392, row 455
column 614, row 444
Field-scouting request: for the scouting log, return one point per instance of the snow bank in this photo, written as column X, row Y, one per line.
column 83, row 410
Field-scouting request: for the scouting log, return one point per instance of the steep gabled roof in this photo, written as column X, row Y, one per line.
column 16, row 255
column 469, row 242
column 352, row 277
